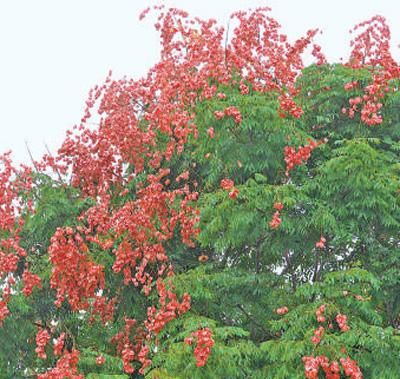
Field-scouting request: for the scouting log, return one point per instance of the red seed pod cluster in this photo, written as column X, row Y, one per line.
column 313, row 364
column 320, row 314
column 30, row 281
column 229, row 111
column 74, row 276
column 342, row 322
column 332, row 369
column 351, row 368
column 318, row 333
column 276, row 220
column 59, row 345
column 350, row 85
column 297, row 157
column 204, row 344
column 288, row 106
column 4, row 311
column 15, row 185
column 228, row 185
column 131, row 345
column 244, row 90
column 42, row 339
column 282, row 311
column 371, row 51
column 234, row 193
column 104, row 307
column 170, row 308
column 66, row 367
column 321, row 243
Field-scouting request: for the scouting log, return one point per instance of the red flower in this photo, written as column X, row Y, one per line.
column 276, row 221
column 282, row 310
column 321, row 243
column 100, row 360
column 234, row 193
column 227, row 184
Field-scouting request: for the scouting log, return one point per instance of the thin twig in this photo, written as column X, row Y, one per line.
column 51, row 156
column 31, row 156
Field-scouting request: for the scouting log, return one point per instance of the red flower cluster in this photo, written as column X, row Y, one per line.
column 229, row 111
column 312, row 365
column 320, row 313
column 276, row 220
column 203, row 347
column 318, row 333
column 66, row 367
column 296, row 158
column 73, row 274
column 104, row 308
column 170, row 308
column 30, row 281
column 42, row 339
column 59, row 345
column 15, row 184
column 244, row 90
column 131, row 346
column 350, row 85
column 342, row 322
column 288, row 105
column 4, row 311
column 100, row 360
column 282, row 310
column 228, row 185
column 371, row 51
column 351, row 368
column 321, row 243
column 331, row 370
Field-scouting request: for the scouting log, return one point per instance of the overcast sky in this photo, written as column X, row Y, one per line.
column 53, row 51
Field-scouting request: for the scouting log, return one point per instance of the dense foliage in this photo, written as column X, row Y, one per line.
column 231, row 215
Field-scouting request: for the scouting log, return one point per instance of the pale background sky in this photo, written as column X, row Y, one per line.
column 53, row 51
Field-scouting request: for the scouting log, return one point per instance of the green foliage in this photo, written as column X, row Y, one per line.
column 348, row 192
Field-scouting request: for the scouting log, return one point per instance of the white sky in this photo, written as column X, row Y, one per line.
column 53, row 51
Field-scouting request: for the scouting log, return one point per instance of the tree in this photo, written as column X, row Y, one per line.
column 231, row 205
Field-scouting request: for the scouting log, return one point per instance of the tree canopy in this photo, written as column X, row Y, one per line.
column 233, row 214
